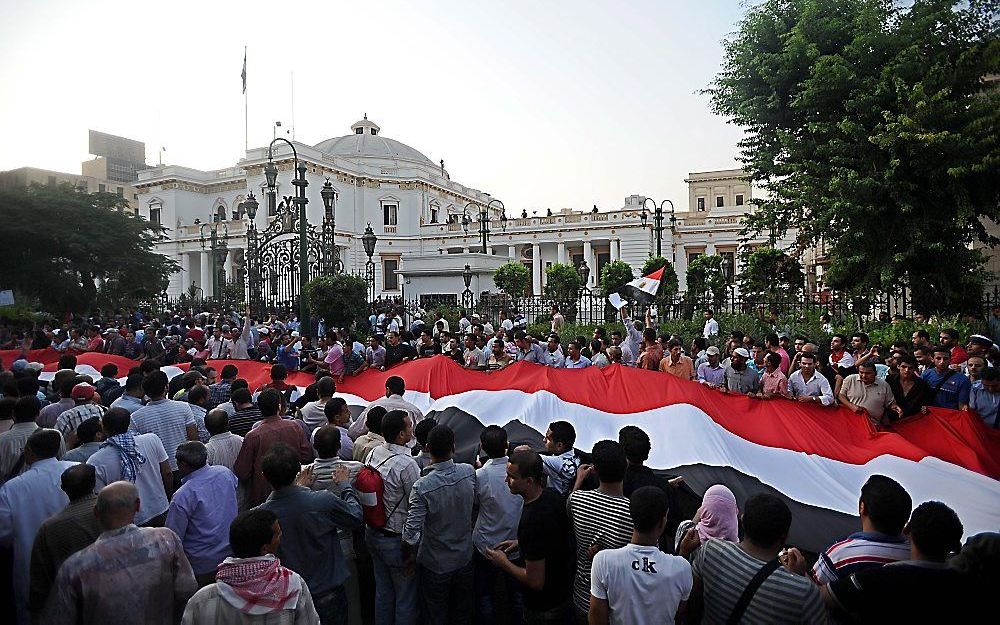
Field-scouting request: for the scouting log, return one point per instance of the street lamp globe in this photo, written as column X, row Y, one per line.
column 328, row 194
column 271, row 175
column 368, row 239
column 467, row 276
column 584, row 272
column 251, row 205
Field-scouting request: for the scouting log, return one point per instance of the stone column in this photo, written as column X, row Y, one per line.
column 710, row 249
column 511, row 251
column 588, row 255
column 561, row 252
column 536, row 269
column 186, row 276
column 206, row 273
column 615, row 249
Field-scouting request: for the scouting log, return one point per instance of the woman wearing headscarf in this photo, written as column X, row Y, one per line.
column 718, row 517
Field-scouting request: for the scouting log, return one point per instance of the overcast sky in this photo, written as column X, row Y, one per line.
column 542, row 104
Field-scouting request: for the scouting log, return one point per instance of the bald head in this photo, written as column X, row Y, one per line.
column 217, row 421
column 117, row 504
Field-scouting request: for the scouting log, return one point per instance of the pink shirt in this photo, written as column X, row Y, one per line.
column 335, row 358
column 774, row 383
column 785, row 362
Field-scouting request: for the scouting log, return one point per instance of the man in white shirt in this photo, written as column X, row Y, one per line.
column 806, row 385
column 574, row 358
column 395, row 387
column 711, row 325
column 638, row 583
column 219, row 346
column 553, row 355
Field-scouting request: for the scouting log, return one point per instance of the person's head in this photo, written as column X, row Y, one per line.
column 280, row 465
column 924, row 356
column 975, row 366
column 934, row 530
column 609, row 461
column 395, row 386
column 337, row 412
column 133, row 385
column 241, row 397
column 707, row 314
column 807, row 364
column 675, row 347
column 766, row 520
column 217, row 421
column 525, row 473
column 942, row 358
column 109, row 370
column 198, row 395
column 397, row 427
column 948, row 337
column 373, row 420
column 493, row 441
column 326, row 387
column 422, row 430
column 229, row 372
column 7, row 408
column 78, row 481
column 772, row 361
column 616, row 337
column 89, row 431
column 42, row 445
column 555, row 308
column 191, row 456
column 885, row 505
column 498, row 349
column 560, row 436
column 635, row 443
column 920, row 337
column 155, row 385
column 990, row 377
column 269, row 401
column 649, row 336
column 393, row 338
column 648, row 508
column 859, row 341
column 738, row 359
column 522, row 341
column 771, row 341
column 115, row 421
column 573, row 350
column 84, row 393
column 440, row 442
column 838, row 342
column 866, row 372
column 698, row 344
column 907, row 366
column 26, row 409
column 254, row 533
column 553, row 342
column 278, row 372
column 470, row 341
column 117, row 505
column 327, row 442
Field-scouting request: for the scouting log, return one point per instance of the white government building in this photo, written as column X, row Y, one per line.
column 416, row 211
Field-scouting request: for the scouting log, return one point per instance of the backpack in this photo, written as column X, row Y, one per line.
column 371, row 489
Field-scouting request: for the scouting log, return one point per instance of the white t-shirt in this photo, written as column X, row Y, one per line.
column 641, row 584
column 107, row 465
column 711, row 328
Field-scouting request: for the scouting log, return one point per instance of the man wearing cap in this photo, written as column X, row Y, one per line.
column 712, row 373
column 978, row 345
column 63, row 382
column 114, row 342
column 738, row 377
column 88, row 405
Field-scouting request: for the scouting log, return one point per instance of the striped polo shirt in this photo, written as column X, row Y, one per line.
column 599, row 518
column 859, row 551
column 725, row 571
column 168, row 419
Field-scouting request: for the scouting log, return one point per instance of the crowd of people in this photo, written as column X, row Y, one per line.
column 201, row 499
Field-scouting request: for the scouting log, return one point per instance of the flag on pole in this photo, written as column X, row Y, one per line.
column 648, row 284
column 244, row 74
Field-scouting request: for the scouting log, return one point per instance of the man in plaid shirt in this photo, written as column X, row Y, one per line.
column 221, row 391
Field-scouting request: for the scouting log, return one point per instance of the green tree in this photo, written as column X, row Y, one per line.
column 706, row 279
column 615, row 275
column 59, row 243
column 341, row 299
column 562, row 282
column 512, row 278
column 869, row 126
column 771, row 274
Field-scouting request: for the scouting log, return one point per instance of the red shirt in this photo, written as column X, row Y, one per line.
column 195, row 334
column 958, row 355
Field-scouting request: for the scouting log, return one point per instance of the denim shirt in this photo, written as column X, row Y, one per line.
column 310, row 541
column 440, row 516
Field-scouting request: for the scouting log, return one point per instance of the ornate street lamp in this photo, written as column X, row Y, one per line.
column 368, row 239
column 209, row 234
column 250, row 205
column 330, row 223
column 300, row 200
column 467, row 293
column 658, row 220
column 584, row 272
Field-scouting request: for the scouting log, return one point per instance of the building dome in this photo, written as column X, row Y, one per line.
column 364, row 140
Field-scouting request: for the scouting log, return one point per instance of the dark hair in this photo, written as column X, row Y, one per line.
column 529, row 465
column 269, row 401
column 868, row 364
column 79, row 480
column 278, row 372
column 27, row 409
column 861, row 335
column 133, row 382
column 441, row 441
column 229, row 371
column 935, row 530
column 951, row 332
column 192, row 453
column 7, row 407
column 422, row 429
column 609, row 461
column 672, row 343
column 44, row 443
column 393, row 424
column 238, row 383
column 373, row 420
column 843, row 339
column 280, row 465
column 990, row 374
column 155, row 384
column 27, row 385
column 493, row 440
column 700, row 342
column 647, row 506
column 327, row 441
column 87, row 431
column 241, row 396
column 109, row 370
column 197, row 394
column 771, row 339
column 67, row 361
column 563, row 432
column 250, row 531
column 766, row 519
column 887, row 504
column 941, row 349
column 773, row 359
column 217, row 421
column 395, row 385
column 116, row 421
column 326, row 387
column 148, row 366
column 333, row 407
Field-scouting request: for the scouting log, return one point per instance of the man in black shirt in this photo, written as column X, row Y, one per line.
column 637, row 446
column 397, row 351
column 427, row 346
column 544, row 541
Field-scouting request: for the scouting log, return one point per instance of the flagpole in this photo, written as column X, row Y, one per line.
column 246, row 109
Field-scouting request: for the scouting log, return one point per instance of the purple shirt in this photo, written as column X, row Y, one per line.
column 200, row 514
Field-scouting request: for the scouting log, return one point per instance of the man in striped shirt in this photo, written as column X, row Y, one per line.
column 172, row 421
column 88, row 406
column 884, row 509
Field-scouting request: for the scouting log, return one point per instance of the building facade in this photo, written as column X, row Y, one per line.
column 418, row 214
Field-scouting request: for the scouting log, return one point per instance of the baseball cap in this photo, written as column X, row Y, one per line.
column 83, row 391
column 713, row 350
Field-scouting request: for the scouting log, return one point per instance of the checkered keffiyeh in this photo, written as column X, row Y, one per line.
column 131, row 457
column 258, row 585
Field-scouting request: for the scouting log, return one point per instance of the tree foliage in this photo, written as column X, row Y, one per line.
column 562, row 282
column 870, row 127
column 706, row 279
column 341, row 299
column 771, row 274
column 59, row 243
column 615, row 275
column 512, row 278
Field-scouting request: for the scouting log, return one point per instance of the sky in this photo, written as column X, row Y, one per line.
column 543, row 104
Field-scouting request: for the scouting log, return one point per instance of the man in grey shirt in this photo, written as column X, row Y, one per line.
column 528, row 350
column 439, row 526
column 738, row 377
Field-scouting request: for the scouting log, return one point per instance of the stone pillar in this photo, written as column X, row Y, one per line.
column 511, row 252
column 561, row 252
column 588, row 255
column 206, row 273
column 536, row 269
column 186, row 276
column 616, row 251
column 710, row 249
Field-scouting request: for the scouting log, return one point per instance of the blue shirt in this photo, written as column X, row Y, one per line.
column 953, row 392
column 440, row 516
column 985, row 404
column 287, row 356
column 200, row 514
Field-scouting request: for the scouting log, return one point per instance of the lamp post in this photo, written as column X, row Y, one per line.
column 658, row 220
column 484, row 221
column 368, row 239
column 330, row 224
column 300, row 200
column 215, row 243
column 584, row 272
column 467, row 293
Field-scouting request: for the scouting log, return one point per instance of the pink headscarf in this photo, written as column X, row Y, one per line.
column 718, row 516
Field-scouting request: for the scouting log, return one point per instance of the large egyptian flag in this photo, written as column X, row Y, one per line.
column 815, row 458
